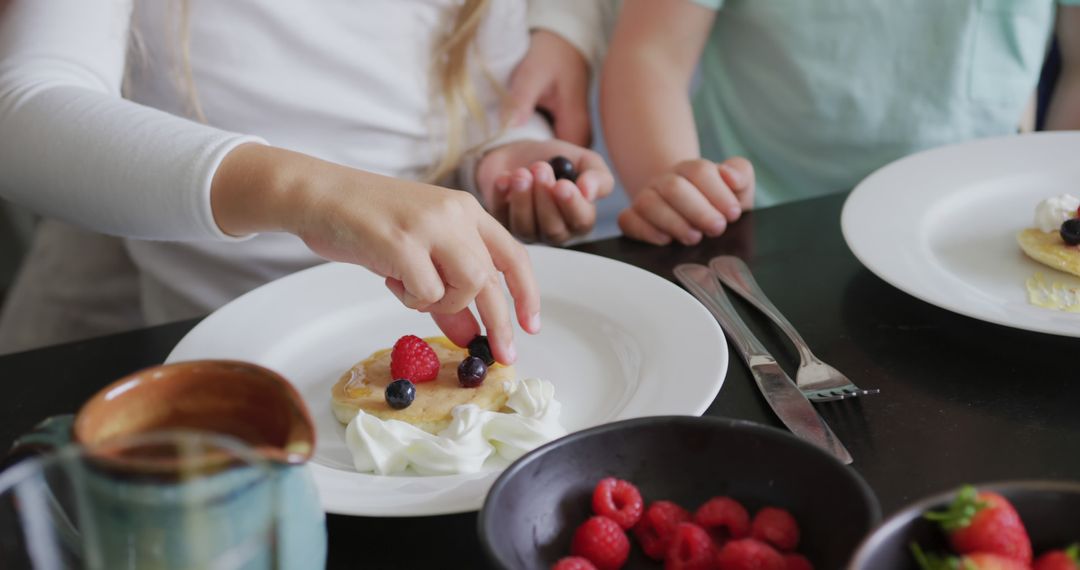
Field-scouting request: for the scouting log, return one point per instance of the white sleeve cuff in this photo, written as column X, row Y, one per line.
column 204, row 167
column 535, row 129
column 583, row 23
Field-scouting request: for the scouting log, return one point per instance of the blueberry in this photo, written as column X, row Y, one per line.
column 471, row 372
column 400, row 393
column 1070, row 231
column 563, row 168
column 480, row 348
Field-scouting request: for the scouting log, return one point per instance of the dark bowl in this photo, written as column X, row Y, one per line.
column 532, row 510
column 1048, row 509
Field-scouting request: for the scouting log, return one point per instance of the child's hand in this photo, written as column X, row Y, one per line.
column 695, row 198
column 437, row 249
column 519, row 188
column 553, row 76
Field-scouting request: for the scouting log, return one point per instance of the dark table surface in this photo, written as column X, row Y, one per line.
column 961, row 400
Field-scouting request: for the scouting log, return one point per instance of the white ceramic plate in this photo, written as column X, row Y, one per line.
column 618, row 342
column 941, row 225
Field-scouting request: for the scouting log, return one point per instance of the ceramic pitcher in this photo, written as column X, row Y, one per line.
column 247, row 402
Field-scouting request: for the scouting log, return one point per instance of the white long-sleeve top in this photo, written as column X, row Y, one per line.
column 347, row 81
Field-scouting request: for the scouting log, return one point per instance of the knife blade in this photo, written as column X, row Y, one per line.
column 785, row 399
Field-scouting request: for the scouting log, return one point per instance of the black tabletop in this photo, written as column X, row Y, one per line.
column 961, row 400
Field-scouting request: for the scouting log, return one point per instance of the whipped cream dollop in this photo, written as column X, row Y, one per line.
column 391, row 446
column 1051, row 212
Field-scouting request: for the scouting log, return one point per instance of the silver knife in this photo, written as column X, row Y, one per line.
column 789, row 404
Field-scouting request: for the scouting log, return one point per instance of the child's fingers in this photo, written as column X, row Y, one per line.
column 595, row 179
column 491, row 304
column 466, row 268
column 521, row 216
column 690, row 202
column 591, row 185
column 705, row 175
column 665, row 218
column 634, row 226
column 739, row 175
column 396, row 287
column 543, row 174
column 460, row 327
column 422, row 285
column 512, row 260
column 549, row 219
column 578, row 213
column 499, row 206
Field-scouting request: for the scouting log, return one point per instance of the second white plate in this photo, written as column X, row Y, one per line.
column 941, row 225
column 618, row 342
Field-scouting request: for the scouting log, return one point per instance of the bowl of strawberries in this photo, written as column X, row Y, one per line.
column 1018, row 525
column 676, row 492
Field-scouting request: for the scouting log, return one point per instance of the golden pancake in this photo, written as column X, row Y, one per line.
column 363, row 387
column 1048, row 248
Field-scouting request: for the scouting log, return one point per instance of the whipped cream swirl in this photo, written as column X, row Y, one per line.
column 1051, row 212
column 391, row 446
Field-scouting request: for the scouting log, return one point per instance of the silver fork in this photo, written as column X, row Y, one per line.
column 818, row 381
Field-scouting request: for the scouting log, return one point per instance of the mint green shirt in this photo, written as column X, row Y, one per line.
column 820, row 93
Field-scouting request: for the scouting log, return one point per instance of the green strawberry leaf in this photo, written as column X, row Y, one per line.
column 934, row 561
column 959, row 513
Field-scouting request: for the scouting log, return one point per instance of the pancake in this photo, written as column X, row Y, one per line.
column 364, row 385
column 1049, row 249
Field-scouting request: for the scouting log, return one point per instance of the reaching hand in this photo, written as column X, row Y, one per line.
column 519, row 188
column 437, row 248
column 553, row 76
column 695, row 198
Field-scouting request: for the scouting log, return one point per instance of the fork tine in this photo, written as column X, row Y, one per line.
column 817, row 381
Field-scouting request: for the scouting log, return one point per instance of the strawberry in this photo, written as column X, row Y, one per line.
column 776, row 527
column 601, row 541
column 990, row 561
column 573, row 563
column 749, row 554
column 984, row 522
column 414, row 360
column 724, row 518
column 972, row 561
column 691, row 548
column 1064, row 559
column 797, row 562
column 656, row 527
column 618, row 500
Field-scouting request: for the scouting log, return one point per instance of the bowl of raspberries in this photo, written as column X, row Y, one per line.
column 677, row 492
column 1018, row 525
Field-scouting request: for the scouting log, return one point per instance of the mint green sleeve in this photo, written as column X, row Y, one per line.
column 1069, row 2
column 717, row 4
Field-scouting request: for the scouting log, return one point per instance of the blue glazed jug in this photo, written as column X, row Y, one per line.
column 244, row 401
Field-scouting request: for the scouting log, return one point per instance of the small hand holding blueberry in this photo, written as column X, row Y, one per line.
column 535, row 203
column 693, row 199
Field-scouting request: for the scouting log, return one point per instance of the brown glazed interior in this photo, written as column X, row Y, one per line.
column 239, row 399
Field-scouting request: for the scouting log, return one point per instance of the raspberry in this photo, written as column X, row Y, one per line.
column 618, row 500
column 797, row 562
column 603, row 542
column 749, row 554
column 691, row 548
column 656, row 527
column 573, row 563
column 776, row 527
column 724, row 518
column 414, row 360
